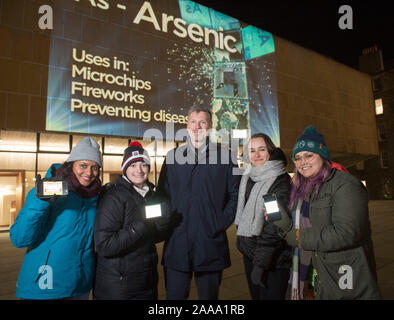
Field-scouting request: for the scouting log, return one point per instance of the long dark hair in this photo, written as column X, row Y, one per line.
column 270, row 145
column 302, row 186
column 274, row 152
column 64, row 170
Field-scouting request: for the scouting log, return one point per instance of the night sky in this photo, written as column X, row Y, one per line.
column 314, row 24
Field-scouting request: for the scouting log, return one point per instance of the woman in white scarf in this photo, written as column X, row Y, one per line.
column 267, row 257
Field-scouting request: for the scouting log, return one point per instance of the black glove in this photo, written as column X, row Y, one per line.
column 259, row 277
column 51, row 199
column 140, row 228
column 163, row 223
column 169, row 221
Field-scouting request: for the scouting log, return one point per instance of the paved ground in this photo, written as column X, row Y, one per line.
column 234, row 286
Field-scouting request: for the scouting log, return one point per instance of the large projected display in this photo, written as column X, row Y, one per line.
column 123, row 67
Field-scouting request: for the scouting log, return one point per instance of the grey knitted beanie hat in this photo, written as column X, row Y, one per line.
column 86, row 149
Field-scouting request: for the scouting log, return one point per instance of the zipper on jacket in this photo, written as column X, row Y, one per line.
column 45, row 264
column 121, row 267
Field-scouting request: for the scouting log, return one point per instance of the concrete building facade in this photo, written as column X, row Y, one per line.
column 379, row 171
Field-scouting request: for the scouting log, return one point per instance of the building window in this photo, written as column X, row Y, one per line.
column 384, row 159
column 115, row 145
column 382, row 132
column 162, row 147
column 54, row 142
column 18, row 141
column 378, row 106
column 377, row 84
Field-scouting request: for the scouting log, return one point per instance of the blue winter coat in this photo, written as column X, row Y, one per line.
column 59, row 261
column 206, row 196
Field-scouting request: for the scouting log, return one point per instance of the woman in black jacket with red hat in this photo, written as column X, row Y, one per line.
column 267, row 257
column 124, row 239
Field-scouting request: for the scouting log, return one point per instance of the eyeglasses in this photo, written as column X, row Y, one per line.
column 307, row 157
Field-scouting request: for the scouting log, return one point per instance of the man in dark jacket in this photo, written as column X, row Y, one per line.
column 201, row 182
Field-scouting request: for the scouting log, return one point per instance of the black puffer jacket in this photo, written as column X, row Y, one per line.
column 269, row 250
column 125, row 244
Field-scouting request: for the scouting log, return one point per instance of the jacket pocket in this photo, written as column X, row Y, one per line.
column 320, row 212
column 336, row 274
column 140, row 262
column 42, row 265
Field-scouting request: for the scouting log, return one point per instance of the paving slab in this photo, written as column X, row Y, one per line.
column 234, row 285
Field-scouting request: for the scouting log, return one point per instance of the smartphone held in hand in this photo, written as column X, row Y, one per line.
column 47, row 188
column 153, row 211
column 271, row 207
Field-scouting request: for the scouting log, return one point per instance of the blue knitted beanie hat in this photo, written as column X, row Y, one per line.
column 313, row 141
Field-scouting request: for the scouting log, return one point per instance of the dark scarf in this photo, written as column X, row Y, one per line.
column 302, row 259
column 90, row 191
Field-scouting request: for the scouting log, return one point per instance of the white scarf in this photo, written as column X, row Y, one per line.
column 143, row 191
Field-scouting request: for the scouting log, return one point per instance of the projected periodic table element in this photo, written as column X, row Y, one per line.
column 180, row 53
column 121, row 6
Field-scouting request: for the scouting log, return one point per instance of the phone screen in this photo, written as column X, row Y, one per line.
column 153, row 211
column 271, row 206
column 51, row 188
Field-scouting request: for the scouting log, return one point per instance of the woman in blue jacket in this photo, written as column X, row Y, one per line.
column 58, row 233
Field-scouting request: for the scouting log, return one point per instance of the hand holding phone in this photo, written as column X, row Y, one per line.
column 153, row 211
column 271, row 208
column 49, row 188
